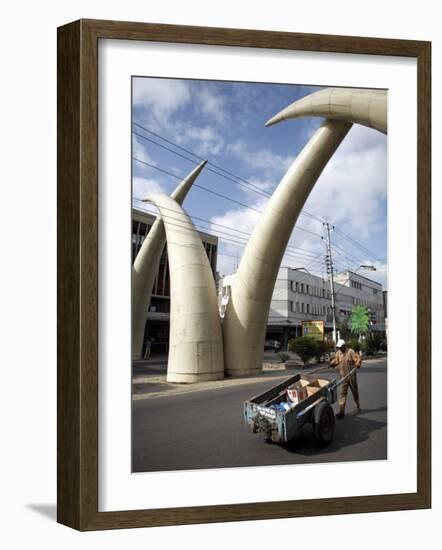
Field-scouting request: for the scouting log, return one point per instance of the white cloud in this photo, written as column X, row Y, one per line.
column 204, row 140
column 351, row 190
column 141, row 187
column 211, row 104
column 139, row 151
column 161, row 97
column 263, row 160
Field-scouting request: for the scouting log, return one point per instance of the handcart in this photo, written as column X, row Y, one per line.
column 272, row 413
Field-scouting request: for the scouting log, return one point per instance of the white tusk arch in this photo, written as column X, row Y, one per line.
column 366, row 107
column 145, row 266
column 245, row 321
column 195, row 345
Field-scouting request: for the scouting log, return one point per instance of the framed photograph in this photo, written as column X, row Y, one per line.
column 244, row 286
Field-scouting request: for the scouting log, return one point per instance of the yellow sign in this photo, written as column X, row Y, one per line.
column 314, row 329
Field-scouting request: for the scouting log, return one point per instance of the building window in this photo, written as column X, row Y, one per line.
column 296, row 287
column 308, row 308
column 375, row 292
column 307, row 289
column 301, row 287
column 302, row 307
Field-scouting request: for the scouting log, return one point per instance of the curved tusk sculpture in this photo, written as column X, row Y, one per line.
column 195, row 345
column 145, row 267
column 247, row 312
column 366, row 107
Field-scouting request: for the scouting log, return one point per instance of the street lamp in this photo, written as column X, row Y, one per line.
column 362, row 266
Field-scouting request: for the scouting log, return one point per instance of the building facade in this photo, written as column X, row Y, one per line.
column 158, row 317
column 300, row 296
column 353, row 289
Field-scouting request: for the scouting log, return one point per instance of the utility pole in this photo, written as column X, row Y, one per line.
column 330, row 271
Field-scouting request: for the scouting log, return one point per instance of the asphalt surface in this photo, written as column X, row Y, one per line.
column 205, row 429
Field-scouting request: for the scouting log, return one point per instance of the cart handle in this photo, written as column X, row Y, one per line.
column 344, row 378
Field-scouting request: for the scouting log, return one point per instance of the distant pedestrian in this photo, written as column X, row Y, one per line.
column 147, row 347
column 346, row 360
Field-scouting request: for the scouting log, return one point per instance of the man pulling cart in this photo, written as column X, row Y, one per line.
column 346, row 360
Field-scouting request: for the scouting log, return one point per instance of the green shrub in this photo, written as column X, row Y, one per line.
column 324, row 347
column 372, row 343
column 354, row 344
column 305, row 347
column 283, row 357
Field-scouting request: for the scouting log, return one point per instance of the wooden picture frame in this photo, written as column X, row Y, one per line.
column 77, row 226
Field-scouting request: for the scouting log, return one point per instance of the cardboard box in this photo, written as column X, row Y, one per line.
column 311, row 390
column 319, row 383
column 297, row 392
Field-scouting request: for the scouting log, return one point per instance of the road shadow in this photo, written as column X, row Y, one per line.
column 351, row 430
column 149, row 367
column 49, row 511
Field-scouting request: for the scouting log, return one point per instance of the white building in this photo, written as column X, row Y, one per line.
column 300, row 296
column 353, row 289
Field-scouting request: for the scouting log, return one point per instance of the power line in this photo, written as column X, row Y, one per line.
column 228, row 238
column 306, row 254
column 355, row 243
column 298, row 256
column 263, row 193
column 344, row 252
column 239, row 179
column 217, row 194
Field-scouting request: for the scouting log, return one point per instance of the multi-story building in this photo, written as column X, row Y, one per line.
column 300, row 296
column 158, row 318
column 353, row 289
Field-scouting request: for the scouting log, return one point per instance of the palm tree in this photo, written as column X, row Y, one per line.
column 359, row 320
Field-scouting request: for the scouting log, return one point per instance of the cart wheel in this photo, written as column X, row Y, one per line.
column 323, row 421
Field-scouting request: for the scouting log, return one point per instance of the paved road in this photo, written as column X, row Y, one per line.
column 205, row 429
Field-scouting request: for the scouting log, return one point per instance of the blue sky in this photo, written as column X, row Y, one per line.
column 224, row 123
